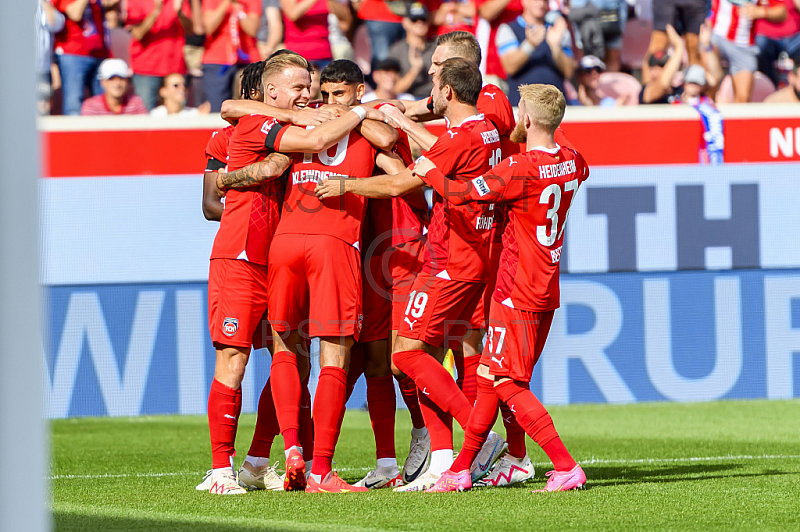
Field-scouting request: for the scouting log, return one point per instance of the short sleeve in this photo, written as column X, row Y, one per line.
column 447, row 150
column 505, row 40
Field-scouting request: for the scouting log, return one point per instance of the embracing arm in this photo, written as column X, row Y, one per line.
column 383, row 186
column 418, row 111
column 379, row 134
column 417, row 132
column 273, row 166
column 233, row 110
column 295, row 139
column 212, row 198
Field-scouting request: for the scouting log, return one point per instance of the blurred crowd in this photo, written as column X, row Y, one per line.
column 172, row 57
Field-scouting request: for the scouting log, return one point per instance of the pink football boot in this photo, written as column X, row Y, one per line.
column 450, row 481
column 564, row 480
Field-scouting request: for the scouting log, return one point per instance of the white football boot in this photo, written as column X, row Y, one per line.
column 418, row 459
column 507, row 471
column 221, row 482
column 381, row 478
column 260, row 478
column 423, row 482
column 492, row 449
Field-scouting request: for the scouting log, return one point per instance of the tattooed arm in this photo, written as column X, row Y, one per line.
column 273, row 166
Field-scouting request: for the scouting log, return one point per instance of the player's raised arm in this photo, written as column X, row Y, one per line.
column 382, row 186
column 233, row 110
column 272, row 167
column 417, row 132
column 295, row 139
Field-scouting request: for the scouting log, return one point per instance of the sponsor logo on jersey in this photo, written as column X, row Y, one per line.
column 484, row 223
column 555, row 255
column 490, row 136
column 313, row 176
column 480, row 186
column 558, row 169
column 230, row 326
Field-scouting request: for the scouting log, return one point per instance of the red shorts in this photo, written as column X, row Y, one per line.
column 315, row 280
column 376, row 284
column 514, row 341
column 438, row 310
column 237, row 304
column 405, row 263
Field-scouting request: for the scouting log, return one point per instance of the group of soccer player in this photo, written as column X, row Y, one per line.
column 325, row 233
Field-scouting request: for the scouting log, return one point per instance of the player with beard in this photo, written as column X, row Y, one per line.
column 494, row 105
column 454, row 275
column 238, row 269
column 538, row 187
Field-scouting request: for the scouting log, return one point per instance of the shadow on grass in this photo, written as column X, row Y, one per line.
column 72, row 522
column 615, row 476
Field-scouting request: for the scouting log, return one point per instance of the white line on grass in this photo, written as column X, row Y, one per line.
column 590, row 461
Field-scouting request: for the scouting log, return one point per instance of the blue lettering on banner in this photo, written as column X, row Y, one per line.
column 619, row 337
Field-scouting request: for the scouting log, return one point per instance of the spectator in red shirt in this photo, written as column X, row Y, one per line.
column 774, row 38
column 80, row 48
column 305, row 29
column 114, row 76
column 157, row 28
column 231, row 27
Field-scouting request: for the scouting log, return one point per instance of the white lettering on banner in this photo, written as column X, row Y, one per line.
column 784, row 143
column 191, row 327
column 588, row 347
column 658, row 343
column 84, row 322
column 782, row 340
column 557, row 170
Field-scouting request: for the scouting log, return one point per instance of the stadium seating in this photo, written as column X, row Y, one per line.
column 762, row 87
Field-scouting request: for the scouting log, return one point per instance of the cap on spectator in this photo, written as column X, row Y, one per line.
column 659, row 58
column 417, row 11
column 588, row 62
column 695, row 74
column 389, row 63
column 111, row 68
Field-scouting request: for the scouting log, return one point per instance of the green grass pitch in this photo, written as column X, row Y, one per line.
column 727, row 465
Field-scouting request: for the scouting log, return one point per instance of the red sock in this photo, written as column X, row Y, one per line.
column 355, row 370
column 286, row 392
column 468, row 376
column 306, row 425
column 515, row 436
column 224, row 406
column 382, row 406
column 409, row 392
column 328, row 413
column 266, row 425
column 439, row 423
column 434, row 381
column 538, row 424
column 480, row 423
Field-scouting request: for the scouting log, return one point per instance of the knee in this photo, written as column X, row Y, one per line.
column 396, row 372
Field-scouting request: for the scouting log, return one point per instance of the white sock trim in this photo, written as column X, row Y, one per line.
column 257, row 461
column 441, row 461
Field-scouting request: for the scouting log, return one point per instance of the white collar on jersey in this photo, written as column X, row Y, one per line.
column 551, row 151
column 472, row 118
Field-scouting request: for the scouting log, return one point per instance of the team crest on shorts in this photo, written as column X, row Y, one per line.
column 230, row 326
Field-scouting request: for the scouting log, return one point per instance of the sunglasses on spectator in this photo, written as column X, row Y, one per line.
column 593, row 69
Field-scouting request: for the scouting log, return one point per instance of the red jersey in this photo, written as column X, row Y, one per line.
column 228, row 44
column 308, row 35
column 537, row 188
column 340, row 217
column 160, row 52
column 217, row 149
column 728, row 20
column 251, row 214
column 87, row 37
column 486, row 31
column 459, row 236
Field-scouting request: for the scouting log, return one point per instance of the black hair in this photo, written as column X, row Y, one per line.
column 251, row 79
column 342, row 71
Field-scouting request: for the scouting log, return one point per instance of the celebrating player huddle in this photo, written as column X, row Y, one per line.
column 326, row 234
